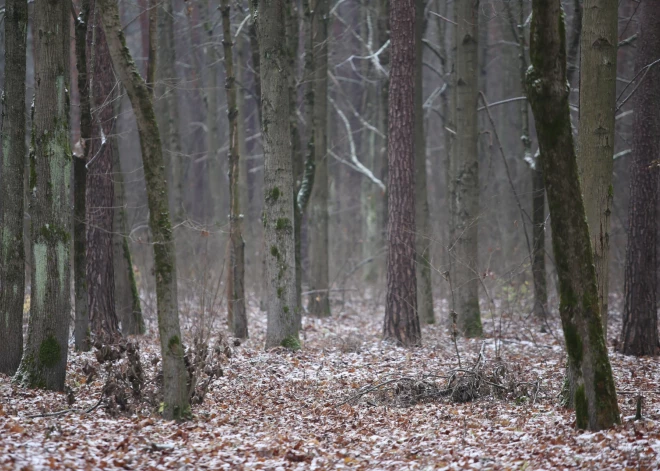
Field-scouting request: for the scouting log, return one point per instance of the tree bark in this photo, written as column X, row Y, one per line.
column 465, row 172
column 236, row 272
column 401, row 321
column 282, row 327
column 100, row 185
column 423, row 237
column 639, row 335
column 176, row 405
column 598, row 51
column 595, row 397
column 319, row 279
column 44, row 359
column 12, row 251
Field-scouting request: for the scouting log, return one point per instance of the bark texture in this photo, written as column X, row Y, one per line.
column 176, row 405
column 423, row 242
column 44, row 358
column 639, row 335
column 401, row 321
column 595, row 397
column 12, row 252
column 465, row 172
column 282, row 327
column 598, row 50
column 236, row 272
column 319, row 278
column 100, row 185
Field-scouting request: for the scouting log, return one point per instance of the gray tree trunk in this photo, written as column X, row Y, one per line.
column 176, row 405
column 594, row 393
column 44, row 359
column 12, row 251
column 465, row 172
column 319, row 278
column 423, row 236
column 282, row 328
column 598, row 51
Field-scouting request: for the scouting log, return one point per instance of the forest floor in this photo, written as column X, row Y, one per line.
column 345, row 401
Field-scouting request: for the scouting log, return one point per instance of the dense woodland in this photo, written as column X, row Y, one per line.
column 312, row 234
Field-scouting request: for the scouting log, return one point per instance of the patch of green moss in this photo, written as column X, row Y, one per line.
column 50, row 352
column 291, row 342
column 53, row 234
column 174, row 342
column 274, row 194
column 285, row 309
column 274, row 252
column 573, row 343
column 280, row 290
column 283, row 224
column 581, row 408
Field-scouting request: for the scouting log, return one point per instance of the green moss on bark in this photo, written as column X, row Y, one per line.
column 581, row 408
column 50, row 352
column 291, row 342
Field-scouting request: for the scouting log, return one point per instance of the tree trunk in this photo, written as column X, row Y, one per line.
column 598, row 50
column 169, row 107
column 465, row 172
column 175, row 398
column 100, row 185
column 423, row 236
column 282, row 328
column 44, row 360
column 595, row 397
column 401, row 321
column 127, row 298
column 12, row 252
column 236, row 272
column 319, row 279
column 639, row 335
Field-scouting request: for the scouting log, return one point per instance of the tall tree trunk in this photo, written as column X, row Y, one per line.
column 598, row 50
column 127, row 298
column 44, row 359
column 319, row 279
column 175, row 398
column 595, row 397
column 423, row 236
column 236, row 272
column 465, row 172
column 282, row 328
column 169, row 107
column 12, row 252
column 639, row 335
column 100, row 185
column 401, row 321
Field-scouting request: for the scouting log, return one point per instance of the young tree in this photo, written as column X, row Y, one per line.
column 44, row 359
column 401, row 321
column 236, row 272
column 594, row 394
column 100, row 184
column 282, row 329
column 423, row 245
column 639, row 335
column 598, row 50
column 464, row 191
column 319, row 279
column 176, row 405
column 12, row 255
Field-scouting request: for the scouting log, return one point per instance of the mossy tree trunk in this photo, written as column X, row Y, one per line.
column 639, row 335
column 598, row 51
column 423, row 236
column 401, row 322
column 465, row 172
column 44, row 359
column 270, row 21
column 176, row 405
column 12, row 251
column 100, row 184
column 236, row 272
column 319, row 279
column 595, row 396
column 168, row 107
